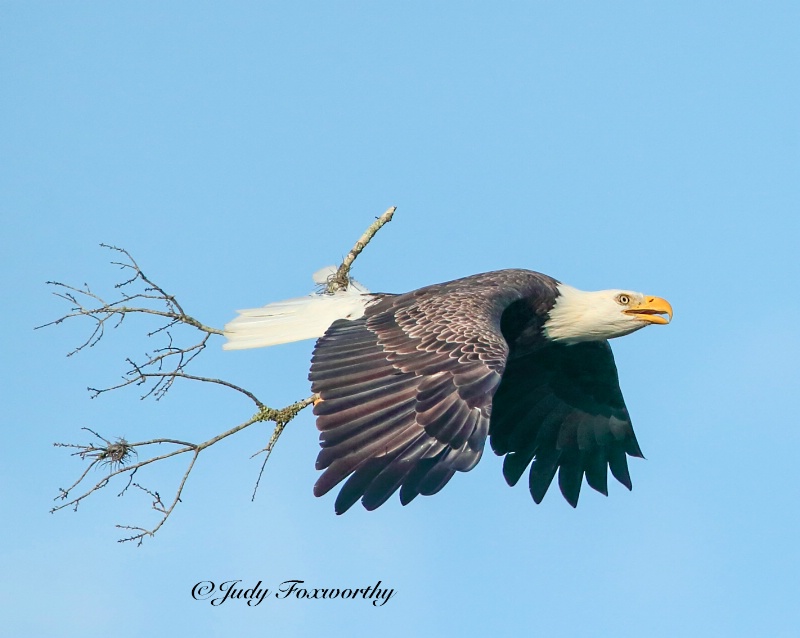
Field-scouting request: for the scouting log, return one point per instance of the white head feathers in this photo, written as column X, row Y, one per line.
column 592, row 316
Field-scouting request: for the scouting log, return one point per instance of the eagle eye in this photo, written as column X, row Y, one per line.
column 623, row 299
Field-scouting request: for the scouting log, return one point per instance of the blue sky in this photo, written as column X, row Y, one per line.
column 235, row 148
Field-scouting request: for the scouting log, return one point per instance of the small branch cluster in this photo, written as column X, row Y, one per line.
column 164, row 364
column 120, row 458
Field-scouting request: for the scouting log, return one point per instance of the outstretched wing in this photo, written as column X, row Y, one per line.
column 561, row 407
column 406, row 392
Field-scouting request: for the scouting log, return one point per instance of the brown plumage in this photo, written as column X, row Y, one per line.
column 411, row 390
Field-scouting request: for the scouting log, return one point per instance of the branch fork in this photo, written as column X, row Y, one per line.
column 157, row 371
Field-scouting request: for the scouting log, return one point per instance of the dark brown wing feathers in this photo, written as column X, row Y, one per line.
column 561, row 407
column 407, row 394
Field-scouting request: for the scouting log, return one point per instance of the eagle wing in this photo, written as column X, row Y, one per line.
column 561, row 408
column 406, row 391
column 410, row 392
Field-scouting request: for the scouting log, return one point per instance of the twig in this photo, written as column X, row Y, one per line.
column 162, row 367
column 164, row 364
column 341, row 279
column 281, row 419
column 121, row 450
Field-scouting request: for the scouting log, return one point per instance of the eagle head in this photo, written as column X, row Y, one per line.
column 578, row 315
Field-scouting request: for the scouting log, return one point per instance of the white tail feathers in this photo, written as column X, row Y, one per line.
column 296, row 319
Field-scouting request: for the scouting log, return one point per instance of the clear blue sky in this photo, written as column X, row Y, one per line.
column 235, row 148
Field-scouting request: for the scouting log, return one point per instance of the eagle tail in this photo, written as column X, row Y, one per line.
column 296, row 319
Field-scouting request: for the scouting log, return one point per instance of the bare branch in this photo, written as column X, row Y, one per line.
column 281, row 419
column 160, row 368
column 341, row 279
column 117, row 453
column 167, row 362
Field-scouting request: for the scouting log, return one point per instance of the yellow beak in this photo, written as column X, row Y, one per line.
column 651, row 310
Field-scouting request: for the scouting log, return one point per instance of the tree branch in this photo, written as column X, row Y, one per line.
column 341, row 280
column 140, row 295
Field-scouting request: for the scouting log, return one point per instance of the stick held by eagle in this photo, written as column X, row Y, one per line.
column 411, row 385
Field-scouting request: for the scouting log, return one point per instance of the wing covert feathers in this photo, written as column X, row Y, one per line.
column 412, row 387
column 406, row 390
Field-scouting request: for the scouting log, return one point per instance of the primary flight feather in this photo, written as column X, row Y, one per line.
column 410, row 386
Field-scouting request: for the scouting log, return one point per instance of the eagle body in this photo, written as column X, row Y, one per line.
column 410, row 386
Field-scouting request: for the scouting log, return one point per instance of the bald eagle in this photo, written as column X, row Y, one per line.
column 410, row 386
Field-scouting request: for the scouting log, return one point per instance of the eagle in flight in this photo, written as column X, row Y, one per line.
column 410, row 386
